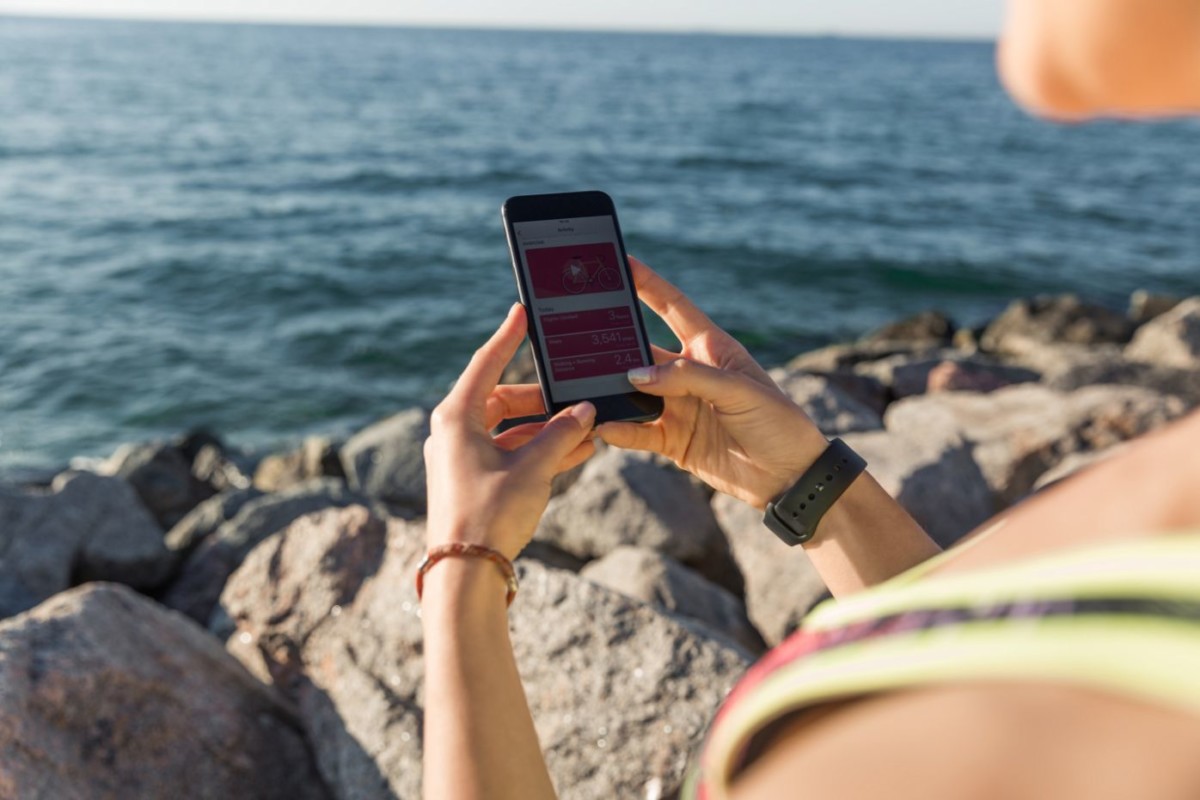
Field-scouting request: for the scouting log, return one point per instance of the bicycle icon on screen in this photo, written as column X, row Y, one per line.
column 580, row 275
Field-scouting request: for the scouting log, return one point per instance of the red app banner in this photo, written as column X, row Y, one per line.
column 574, row 269
column 565, row 369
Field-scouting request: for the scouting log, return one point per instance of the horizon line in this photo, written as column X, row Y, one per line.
column 50, row 16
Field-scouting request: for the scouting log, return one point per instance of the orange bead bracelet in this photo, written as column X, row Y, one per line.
column 464, row 550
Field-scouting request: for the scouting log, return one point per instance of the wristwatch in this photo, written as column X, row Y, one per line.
column 794, row 515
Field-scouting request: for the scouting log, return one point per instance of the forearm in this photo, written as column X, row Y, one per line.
column 480, row 741
column 865, row 538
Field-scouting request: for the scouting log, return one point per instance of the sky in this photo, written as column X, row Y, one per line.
column 926, row 18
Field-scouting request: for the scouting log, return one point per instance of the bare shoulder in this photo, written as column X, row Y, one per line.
column 1064, row 58
column 982, row 740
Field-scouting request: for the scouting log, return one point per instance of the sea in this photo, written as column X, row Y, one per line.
column 275, row 231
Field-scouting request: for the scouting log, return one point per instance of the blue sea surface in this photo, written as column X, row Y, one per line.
column 272, row 231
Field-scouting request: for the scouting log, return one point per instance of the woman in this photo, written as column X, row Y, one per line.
column 1055, row 654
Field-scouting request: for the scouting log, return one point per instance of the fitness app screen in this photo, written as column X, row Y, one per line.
column 586, row 323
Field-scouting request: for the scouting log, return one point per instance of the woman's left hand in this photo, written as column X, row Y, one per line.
column 492, row 490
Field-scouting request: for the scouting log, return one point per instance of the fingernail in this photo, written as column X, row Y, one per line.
column 640, row 375
column 585, row 412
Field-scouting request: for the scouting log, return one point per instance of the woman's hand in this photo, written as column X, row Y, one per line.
column 724, row 419
column 492, row 490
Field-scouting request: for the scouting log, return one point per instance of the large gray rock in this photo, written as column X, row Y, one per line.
column 933, row 475
column 88, row 527
column 161, row 476
column 203, row 520
column 387, row 460
column 833, row 410
column 620, row 693
column 106, row 695
column 664, row 583
column 1170, row 340
column 781, row 583
column 202, row 577
column 1022, row 431
column 1029, row 324
column 628, row 498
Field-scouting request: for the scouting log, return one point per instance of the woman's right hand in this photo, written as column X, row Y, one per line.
column 724, row 419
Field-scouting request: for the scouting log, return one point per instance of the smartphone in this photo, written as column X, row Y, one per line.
column 585, row 325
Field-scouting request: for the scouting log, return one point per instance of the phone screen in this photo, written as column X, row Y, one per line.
column 583, row 308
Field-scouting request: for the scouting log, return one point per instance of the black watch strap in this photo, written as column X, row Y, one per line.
column 793, row 517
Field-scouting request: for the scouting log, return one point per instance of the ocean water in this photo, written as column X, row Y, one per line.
column 272, row 231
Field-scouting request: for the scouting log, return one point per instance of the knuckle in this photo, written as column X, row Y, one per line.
column 442, row 416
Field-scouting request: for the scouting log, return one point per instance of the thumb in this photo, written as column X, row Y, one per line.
column 559, row 438
column 726, row 390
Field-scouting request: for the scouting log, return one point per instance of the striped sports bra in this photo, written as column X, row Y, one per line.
column 1123, row 617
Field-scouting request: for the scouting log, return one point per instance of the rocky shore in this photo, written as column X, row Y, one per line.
column 183, row 621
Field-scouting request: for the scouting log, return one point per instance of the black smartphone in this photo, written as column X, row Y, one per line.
column 585, row 324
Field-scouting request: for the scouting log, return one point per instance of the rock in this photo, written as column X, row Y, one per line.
column 203, row 520
column 196, row 591
column 551, row 556
column 832, row 410
column 213, row 467
column 1076, row 463
column 89, row 527
column 1170, row 340
column 161, row 476
column 620, row 693
column 1181, row 383
column 387, row 459
column 933, row 475
column 963, row 375
column 664, row 583
column 927, row 327
column 317, row 457
column 905, row 376
column 628, row 498
column 865, row 389
column 195, row 441
column 781, row 583
column 842, row 357
column 1055, row 360
column 1022, row 431
column 1144, row 306
column 967, row 339
column 1029, row 324
column 108, row 696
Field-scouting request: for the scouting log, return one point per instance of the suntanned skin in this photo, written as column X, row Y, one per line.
column 1071, row 59
column 726, row 423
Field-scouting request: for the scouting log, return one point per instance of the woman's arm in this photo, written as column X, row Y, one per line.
column 1079, row 58
column 727, row 422
column 479, row 736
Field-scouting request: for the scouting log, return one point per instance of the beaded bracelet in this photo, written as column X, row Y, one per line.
column 464, row 550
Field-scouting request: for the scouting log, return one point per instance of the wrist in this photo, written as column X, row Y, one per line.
column 806, row 444
column 463, row 587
